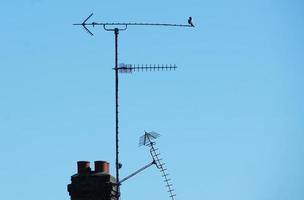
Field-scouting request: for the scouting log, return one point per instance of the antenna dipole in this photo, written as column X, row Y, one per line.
column 116, row 28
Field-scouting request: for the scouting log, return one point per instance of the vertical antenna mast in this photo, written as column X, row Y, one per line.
column 116, row 32
column 127, row 68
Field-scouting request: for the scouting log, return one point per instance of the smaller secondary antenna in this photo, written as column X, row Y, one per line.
column 148, row 139
column 130, row 68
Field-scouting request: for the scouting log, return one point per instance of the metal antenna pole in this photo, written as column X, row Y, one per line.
column 116, row 32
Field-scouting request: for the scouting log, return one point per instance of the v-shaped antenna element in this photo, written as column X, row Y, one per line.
column 83, row 24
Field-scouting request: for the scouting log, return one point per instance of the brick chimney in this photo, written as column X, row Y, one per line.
column 92, row 185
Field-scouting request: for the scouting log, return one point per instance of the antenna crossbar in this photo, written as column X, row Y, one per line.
column 131, row 24
column 112, row 26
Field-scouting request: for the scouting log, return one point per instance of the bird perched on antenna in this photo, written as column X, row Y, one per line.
column 190, row 21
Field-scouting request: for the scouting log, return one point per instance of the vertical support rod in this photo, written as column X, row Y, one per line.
column 116, row 32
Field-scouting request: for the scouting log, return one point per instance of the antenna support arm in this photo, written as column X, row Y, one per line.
column 136, row 172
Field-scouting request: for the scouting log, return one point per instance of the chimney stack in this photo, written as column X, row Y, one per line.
column 92, row 185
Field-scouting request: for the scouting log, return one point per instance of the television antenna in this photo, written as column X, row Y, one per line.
column 125, row 68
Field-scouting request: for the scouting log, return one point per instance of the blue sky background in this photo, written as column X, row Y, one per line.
column 231, row 116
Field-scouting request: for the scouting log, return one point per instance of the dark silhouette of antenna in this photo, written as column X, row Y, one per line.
column 116, row 28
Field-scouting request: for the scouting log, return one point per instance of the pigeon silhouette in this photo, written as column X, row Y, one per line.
column 190, row 21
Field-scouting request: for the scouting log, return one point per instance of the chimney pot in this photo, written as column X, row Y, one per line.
column 102, row 166
column 83, row 167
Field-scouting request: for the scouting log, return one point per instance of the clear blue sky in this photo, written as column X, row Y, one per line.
column 231, row 117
